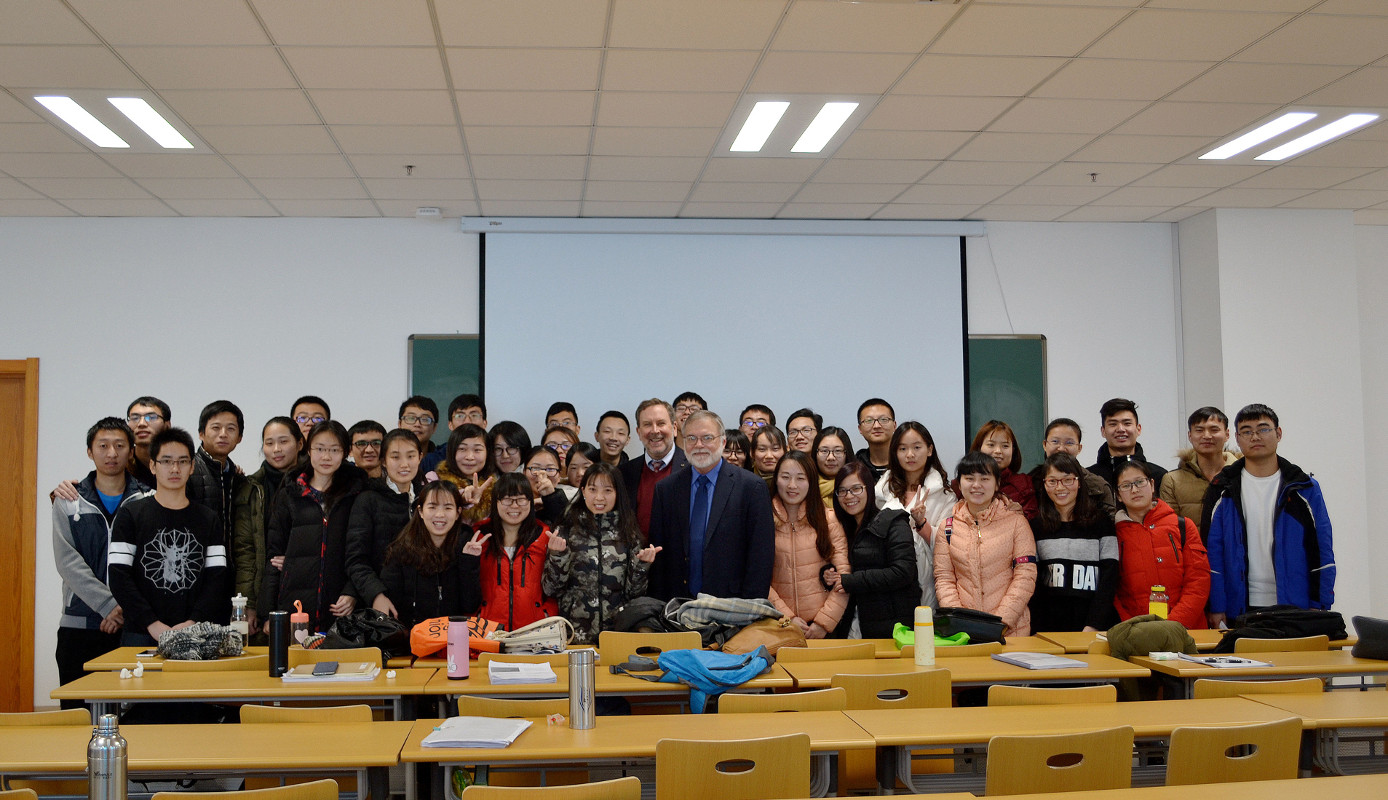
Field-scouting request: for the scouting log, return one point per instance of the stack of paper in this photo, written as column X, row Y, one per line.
column 1039, row 660
column 476, row 732
column 500, row 672
column 363, row 671
column 1225, row 662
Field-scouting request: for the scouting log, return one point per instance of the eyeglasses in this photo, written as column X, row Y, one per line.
column 150, row 417
column 422, row 419
column 753, row 423
column 1256, row 433
column 367, row 444
column 504, row 450
column 166, row 463
column 560, row 447
column 315, row 419
column 560, row 423
column 800, row 431
column 850, row 491
column 688, row 408
column 1132, row 486
column 327, row 451
column 467, row 416
column 831, row 452
column 514, row 502
column 545, row 470
column 870, row 421
column 1068, row 482
column 1061, row 442
column 706, row 439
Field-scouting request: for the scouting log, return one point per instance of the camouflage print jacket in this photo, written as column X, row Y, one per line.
column 594, row 577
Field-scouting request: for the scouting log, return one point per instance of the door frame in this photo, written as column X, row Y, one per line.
column 21, row 641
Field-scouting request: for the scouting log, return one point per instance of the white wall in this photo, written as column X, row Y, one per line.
column 1371, row 261
column 255, row 311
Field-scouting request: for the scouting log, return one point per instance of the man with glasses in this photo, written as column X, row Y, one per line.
column 306, row 412
column 562, row 415
column 755, row 416
column 801, row 429
column 1063, row 436
column 146, row 416
column 367, row 438
column 713, row 525
column 685, row 404
column 877, row 423
column 655, row 426
column 465, row 409
column 1269, row 537
column 420, row 415
column 167, row 560
column 1120, row 431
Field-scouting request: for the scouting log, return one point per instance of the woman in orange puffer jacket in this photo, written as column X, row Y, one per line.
column 1157, row 546
column 811, row 550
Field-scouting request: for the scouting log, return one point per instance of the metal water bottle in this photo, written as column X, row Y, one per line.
column 459, row 642
column 925, row 636
column 582, row 686
column 279, row 643
column 106, row 761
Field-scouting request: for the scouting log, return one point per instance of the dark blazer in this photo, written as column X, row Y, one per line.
column 631, row 472
column 740, row 543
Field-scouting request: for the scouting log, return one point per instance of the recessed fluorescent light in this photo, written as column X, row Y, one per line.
column 1319, row 136
column 759, row 125
column 149, row 120
column 1261, row 134
column 79, row 118
column 826, row 123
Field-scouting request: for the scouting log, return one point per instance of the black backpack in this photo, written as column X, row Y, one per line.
column 1284, row 622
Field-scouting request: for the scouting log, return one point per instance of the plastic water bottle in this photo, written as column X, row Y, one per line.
column 1157, row 601
column 925, row 636
column 106, row 761
column 239, row 621
column 582, row 688
column 458, row 642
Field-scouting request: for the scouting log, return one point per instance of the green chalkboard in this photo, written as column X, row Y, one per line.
column 445, row 366
column 1007, row 381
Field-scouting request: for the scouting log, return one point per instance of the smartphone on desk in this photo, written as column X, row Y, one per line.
column 323, row 668
column 150, row 653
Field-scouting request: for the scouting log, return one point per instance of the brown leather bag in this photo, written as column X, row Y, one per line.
column 773, row 634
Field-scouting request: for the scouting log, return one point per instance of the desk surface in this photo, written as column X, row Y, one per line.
column 264, row 746
column 953, row 726
column 886, row 648
column 240, row 684
column 1205, row 640
column 1333, row 709
column 1356, row 786
column 125, row 658
column 605, row 683
column 968, row 670
column 635, row 736
column 1318, row 663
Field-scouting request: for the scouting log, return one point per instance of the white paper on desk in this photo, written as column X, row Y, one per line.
column 504, row 672
column 1225, row 662
column 476, row 732
column 1039, row 660
column 364, row 671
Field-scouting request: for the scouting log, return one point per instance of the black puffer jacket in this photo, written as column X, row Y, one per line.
column 882, row 586
column 313, row 541
column 378, row 516
column 418, row 597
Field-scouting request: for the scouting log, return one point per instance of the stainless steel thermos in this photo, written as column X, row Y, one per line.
column 582, row 683
column 106, row 761
column 279, row 643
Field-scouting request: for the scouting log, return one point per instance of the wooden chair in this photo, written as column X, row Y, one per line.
column 926, row 689
column 325, row 714
column 818, row 700
column 1305, row 643
column 615, row 647
column 314, row 790
column 555, row 660
column 470, row 706
column 1266, row 751
column 1209, row 687
column 239, row 663
column 794, row 655
column 21, row 794
column 696, row 770
column 70, row 717
column 298, row 655
column 956, row 651
column 1098, row 647
column 1002, row 695
column 1061, row 763
column 628, row 788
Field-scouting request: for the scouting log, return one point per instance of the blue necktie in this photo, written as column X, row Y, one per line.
column 698, row 526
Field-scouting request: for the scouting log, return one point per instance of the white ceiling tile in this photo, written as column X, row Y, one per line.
column 1178, row 214
column 226, row 207
column 1141, row 149
column 1113, row 213
column 697, row 142
column 268, row 139
column 730, row 210
column 619, row 168
column 328, row 208
column 33, row 208
column 529, row 190
column 876, row 193
column 1366, row 217
column 367, row 67
column 526, row 108
column 1052, row 195
column 943, row 194
column 426, row 166
column 302, row 165
column 1119, row 79
column 1316, row 39
column 863, row 27
column 930, row 145
column 665, row 109
column 523, row 23
column 636, row 191
column 11, row 189
column 630, row 208
column 1032, row 30
column 398, row 139
column 1165, row 35
column 234, row 107
column 924, row 211
column 1290, row 6
column 383, row 107
column 198, row 188
column 1216, row 120
column 828, row 73
column 1349, row 152
column 527, row 70
column 1337, row 198
column 411, row 189
column 37, row 137
column 176, row 22
column 55, row 165
column 1366, row 88
column 41, row 22
column 829, row 211
column 209, row 67
column 976, row 76
column 98, row 188
column 1091, row 173
column 1022, row 146
column 49, row 67
column 1152, row 196
column 986, row 173
column 1374, row 180
column 169, row 165
column 12, row 110
column 870, row 170
column 1288, row 176
column 1260, row 83
column 773, row 170
column 916, row 112
column 1020, row 213
column 1354, row 7
column 1045, row 115
column 1247, row 198
column 530, row 208
column 451, row 209
column 743, row 192
column 123, row 207
column 347, row 22
column 529, row 167
column 310, row 188
column 536, row 140
column 1207, row 175
column 677, row 70
column 706, row 25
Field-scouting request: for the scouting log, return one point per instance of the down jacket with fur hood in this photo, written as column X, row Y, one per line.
column 796, row 590
column 987, row 563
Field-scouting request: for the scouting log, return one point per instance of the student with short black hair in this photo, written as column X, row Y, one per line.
column 379, row 514
column 420, row 415
column 756, row 416
column 687, row 403
column 614, row 431
column 368, row 439
column 216, row 478
column 146, row 416
column 877, row 423
column 562, row 415
column 1063, row 435
column 1120, row 430
column 465, row 409
column 308, row 411
column 281, row 444
column 1184, row 487
column 802, row 426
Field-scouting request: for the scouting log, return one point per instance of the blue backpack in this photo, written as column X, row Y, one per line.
column 707, row 673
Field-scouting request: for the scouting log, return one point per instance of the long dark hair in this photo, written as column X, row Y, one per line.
column 510, row 484
column 456, row 438
column 842, row 436
column 1086, row 511
column 341, row 481
column 579, row 518
column 765, row 432
column 853, row 467
column 896, row 482
column 814, row 507
column 414, row 546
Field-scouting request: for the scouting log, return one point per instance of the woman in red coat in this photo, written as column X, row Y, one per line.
column 506, row 557
column 1157, row 546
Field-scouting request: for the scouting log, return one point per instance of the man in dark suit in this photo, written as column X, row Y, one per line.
column 713, row 523
column 656, row 428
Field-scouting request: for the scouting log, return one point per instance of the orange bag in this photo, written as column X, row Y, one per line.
column 431, row 636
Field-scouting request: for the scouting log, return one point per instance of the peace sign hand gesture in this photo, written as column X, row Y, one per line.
column 472, row 495
column 474, row 545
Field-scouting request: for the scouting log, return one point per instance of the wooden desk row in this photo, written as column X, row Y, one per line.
column 1205, row 640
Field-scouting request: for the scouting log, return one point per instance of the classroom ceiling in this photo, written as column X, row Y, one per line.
column 1077, row 110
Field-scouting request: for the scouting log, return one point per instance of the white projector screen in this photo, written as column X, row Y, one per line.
column 605, row 320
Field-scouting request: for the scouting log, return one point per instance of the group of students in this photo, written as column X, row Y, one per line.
column 163, row 531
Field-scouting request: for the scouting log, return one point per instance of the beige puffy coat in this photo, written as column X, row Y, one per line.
column 795, row 587
column 979, row 567
column 1183, row 488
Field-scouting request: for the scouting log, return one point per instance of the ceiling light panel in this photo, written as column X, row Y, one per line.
column 131, row 122
column 801, row 126
column 1318, row 137
column 1289, row 134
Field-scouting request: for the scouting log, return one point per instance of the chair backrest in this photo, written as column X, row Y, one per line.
column 1209, row 687
column 615, row 647
column 1244, row 644
column 1264, row 751
column 333, row 714
column 924, row 689
column 1068, row 762
column 22, row 794
column 552, row 659
column 1004, row 695
column 835, row 699
column 1098, row 647
column 792, row 655
column 955, row 651
column 628, row 788
column 256, row 662
column 68, row 716
column 470, row 706
column 314, row 790
column 298, row 655
column 735, row 769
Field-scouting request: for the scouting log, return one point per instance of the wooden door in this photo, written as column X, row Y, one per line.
column 19, row 455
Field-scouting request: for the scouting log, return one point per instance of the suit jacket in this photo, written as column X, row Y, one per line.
column 739, row 545
column 631, row 471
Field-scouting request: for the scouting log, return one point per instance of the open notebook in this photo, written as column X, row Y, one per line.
column 475, row 732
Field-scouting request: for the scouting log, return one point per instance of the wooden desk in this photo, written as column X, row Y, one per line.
column 1205, row 640
column 1330, row 713
column 105, row 691
column 968, row 671
column 628, row 738
column 605, row 683
column 125, row 658
column 1322, row 664
column 904, row 730
column 886, row 648
column 367, row 748
column 1357, row 787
